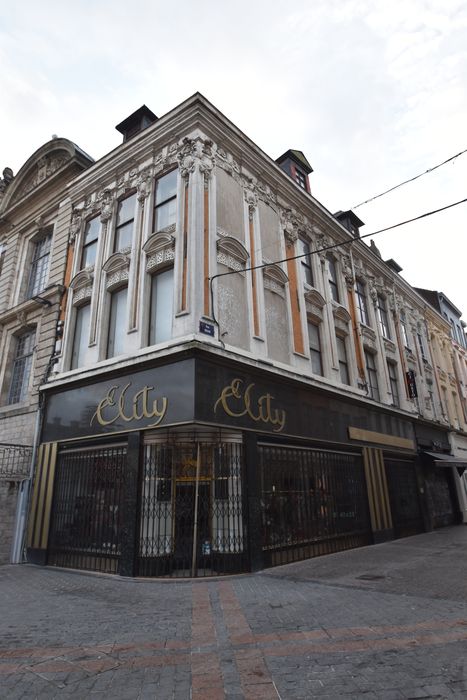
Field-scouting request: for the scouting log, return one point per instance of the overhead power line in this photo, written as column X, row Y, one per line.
column 339, row 245
column 391, row 189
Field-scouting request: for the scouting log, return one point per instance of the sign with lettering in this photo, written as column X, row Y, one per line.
column 238, row 399
column 148, row 398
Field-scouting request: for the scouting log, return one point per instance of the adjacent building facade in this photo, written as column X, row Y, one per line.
column 32, row 265
column 241, row 380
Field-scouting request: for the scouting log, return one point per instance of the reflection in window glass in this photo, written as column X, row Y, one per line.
column 160, row 327
column 91, row 234
column 117, row 323
column 125, row 222
column 165, row 211
column 81, row 337
column 342, row 356
column 315, row 349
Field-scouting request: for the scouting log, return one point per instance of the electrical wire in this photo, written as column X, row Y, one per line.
column 342, row 243
column 391, row 189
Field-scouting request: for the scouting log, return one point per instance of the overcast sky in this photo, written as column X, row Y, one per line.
column 372, row 92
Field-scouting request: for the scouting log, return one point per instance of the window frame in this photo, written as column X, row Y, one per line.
column 300, row 179
column 315, row 351
column 119, row 226
column 403, row 325
column 362, row 306
column 159, row 205
column 393, row 383
column 37, row 280
column 343, row 362
column 112, row 320
column 87, row 245
column 332, row 279
column 305, row 262
column 25, row 377
column 153, row 321
column 78, row 311
column 372, row 372
column 383, row 316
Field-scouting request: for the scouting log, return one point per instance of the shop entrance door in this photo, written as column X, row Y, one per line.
column 192, row 524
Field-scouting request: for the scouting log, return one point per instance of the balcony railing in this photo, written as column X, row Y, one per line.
column 15, row 461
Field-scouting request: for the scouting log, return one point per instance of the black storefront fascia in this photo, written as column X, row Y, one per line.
column 199, row 389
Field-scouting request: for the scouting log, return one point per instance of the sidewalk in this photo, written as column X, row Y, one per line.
column 382, row 622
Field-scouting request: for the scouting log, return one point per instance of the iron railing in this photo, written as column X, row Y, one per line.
column 192, row 521
column 15, row 461
column 86, row 524
column 314, row 502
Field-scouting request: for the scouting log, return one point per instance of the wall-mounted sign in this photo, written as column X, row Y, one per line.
column 238, row 399
column 142, row 405
column 206, row 328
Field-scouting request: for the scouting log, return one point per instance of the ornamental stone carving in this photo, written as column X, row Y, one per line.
column 232, row 253
column 206, row 160
column 117, row 268
column 75, row 226
column 45, row 167
column 143, row 185
column 347, row 270
column 81, row 285
column 186, row 157
column 290, row 223
column 106, row 199
column 275, row 279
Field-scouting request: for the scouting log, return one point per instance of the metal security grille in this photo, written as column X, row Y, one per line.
column 403, row 496
column 315, row 503
column 86, row 521
column 440, row 496
column 191, row 513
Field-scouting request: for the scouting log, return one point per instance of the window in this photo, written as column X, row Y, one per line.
column 333, row 278
column 91, row 234
column 300, row 178
column 405, row 336
column 307, row 272
column 125, row 222
column 2, row 255
column 165, row 201
column 393, row 383
column 315, row 349
column 421, row 345
column 383, row 317
column 372, row 375
column 160, row 325
column 81, row 337
column 21, row 367
column 342, row 357
column 117, row 323
column 361, row 303
column 39, row 265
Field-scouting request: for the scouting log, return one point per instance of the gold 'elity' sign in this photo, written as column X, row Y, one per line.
column 141, row 407
column 259, row 410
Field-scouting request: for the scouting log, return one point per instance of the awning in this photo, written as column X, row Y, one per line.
column 439, row 459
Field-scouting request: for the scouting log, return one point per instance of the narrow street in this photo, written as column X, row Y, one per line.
column 384, row 622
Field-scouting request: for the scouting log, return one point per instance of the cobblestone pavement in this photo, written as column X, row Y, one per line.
column 382, row 622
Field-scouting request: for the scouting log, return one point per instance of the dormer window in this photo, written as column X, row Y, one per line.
column 300, row 178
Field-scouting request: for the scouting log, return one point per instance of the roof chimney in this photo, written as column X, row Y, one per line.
column 297, row 167
column 136, row 122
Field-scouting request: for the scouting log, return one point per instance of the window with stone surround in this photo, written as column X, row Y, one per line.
column 305, row 263
column 333, row 286
column 393, row 383
column 117, row 334
column 165, row 201
column 39, row 270
column 125, row 223
column 372, row 375
column 161, row 306
column 81, row 336
column 362, row 306
column 22, row 365
column 383, row 316
column 90, row 238
column 315, row 348
column 342, row 358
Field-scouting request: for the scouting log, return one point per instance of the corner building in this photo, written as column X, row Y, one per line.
column 219, row 405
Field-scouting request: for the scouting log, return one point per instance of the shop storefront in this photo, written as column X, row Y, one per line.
column 202, row 467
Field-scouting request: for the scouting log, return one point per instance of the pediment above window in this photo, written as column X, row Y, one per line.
column 231, row 252
column 341, row 314
column 315, row 298
column 275, row 279
column 117, row 269
column 314, row 304
column 81, row 285
column 159, row 249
